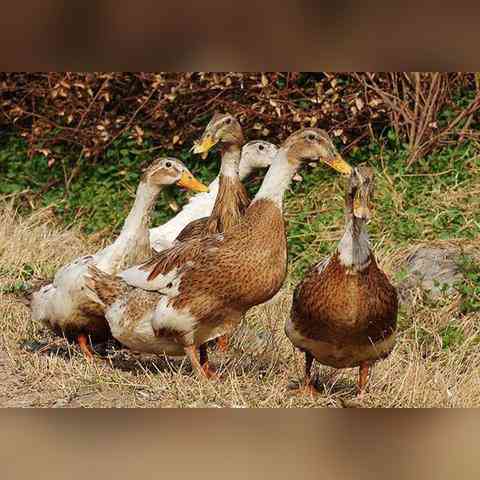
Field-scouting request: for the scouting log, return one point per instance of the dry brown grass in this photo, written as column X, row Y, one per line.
column 255, row 373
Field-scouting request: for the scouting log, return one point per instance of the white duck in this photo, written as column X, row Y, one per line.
column 255, row 155
column 63, row 304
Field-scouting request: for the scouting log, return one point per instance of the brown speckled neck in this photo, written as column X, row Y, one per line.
column 232, row 198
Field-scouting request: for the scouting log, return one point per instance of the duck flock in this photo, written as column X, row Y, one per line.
column 172, row 289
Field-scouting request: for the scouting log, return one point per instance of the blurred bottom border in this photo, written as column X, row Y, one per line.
column 343, row 444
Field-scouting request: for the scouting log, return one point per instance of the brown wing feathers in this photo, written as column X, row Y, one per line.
column 230, row 205
column 107, row 287
column 195, row 229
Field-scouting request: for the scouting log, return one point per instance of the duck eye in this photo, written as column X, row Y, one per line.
column 168, row 164
column 311, row 137
column 261, row 147
column 228, row 121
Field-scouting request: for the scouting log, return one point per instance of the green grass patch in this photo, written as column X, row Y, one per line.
column 470, row 287
column 434, row 199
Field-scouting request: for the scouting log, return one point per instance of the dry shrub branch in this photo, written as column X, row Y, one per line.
column 88, row 111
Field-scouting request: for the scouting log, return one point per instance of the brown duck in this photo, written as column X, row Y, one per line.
column 344, row 312
column 200, row 289
column 232, row 198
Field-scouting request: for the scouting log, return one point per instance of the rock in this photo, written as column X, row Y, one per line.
column 433, row 269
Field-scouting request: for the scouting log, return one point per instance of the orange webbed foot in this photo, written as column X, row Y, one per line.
column 223, row 343
column 362, row 379
column 305, row 388
column 209, row 372
column 84, row 345
column 200, row 363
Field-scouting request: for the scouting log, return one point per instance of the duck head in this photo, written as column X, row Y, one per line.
column 223, row 129
column 360, row 189
column 257, row 154
column 168, row 171
column 312, row 145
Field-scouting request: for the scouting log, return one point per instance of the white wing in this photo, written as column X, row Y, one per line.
column 200, row 205
column 166, row 284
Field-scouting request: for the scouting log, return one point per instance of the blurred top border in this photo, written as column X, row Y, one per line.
column 242, row 36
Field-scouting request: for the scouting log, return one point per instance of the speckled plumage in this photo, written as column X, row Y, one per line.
column 216, row 285
column 231, row 202
column 252, row 259
column 344, row 312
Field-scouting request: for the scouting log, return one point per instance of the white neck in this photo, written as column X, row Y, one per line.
column 354, row 247
column 134, row 235
column 244, row 169
column 141, row 211
column 230, row 161
column 277, row 180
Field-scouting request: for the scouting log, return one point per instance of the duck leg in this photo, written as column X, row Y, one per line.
column 363, row 377
column 82, row 341
column 203, row 370
column 203, row 354
column 210, row 372
column 307, row 387
column 309, row 383
column 222, row 343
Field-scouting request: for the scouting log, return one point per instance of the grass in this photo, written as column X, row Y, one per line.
column 436, row 362
column 94, row 197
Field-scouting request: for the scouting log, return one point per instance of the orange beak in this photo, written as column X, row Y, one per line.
column 187, row 180
column 340, row 165
column 204, row 146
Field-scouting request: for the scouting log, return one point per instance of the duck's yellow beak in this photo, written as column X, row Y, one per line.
column 362, row 209
column 187, row 180
column 204, row 145
column 340, row 165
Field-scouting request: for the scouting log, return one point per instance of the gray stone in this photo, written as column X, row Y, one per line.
column 433, row 269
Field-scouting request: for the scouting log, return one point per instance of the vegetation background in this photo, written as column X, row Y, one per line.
column 72, row 148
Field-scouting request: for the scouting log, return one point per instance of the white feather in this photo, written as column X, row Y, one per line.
column 135, row 277
column 142, row 336
column 199, row 206
column 168, row 317
column 277, row 180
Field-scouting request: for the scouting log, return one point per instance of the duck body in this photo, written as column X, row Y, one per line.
column 221, row 208
column 203, row 293
column 344, row 318
column 64, row 308
column 64, row 305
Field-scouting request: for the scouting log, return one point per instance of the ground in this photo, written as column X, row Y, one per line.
column 436, row 362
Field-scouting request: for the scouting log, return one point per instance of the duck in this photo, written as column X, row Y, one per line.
column 62, row 305
column 231, row 198
column 344, row 311
column 200, row 289
column 255, row 155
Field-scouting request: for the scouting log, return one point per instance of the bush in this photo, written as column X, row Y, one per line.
column 88, row 112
